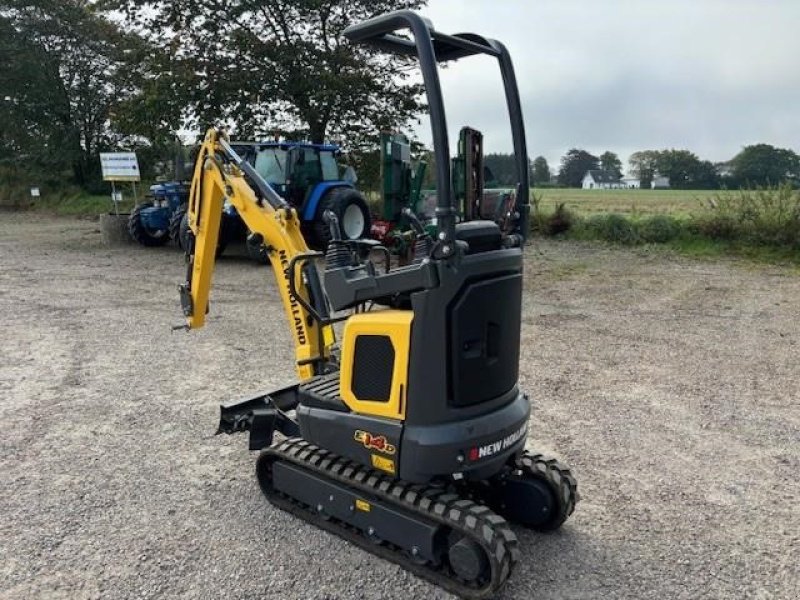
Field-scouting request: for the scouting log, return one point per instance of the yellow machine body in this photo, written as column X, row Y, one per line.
column 373, row 379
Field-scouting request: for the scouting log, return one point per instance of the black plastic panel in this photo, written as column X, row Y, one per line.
column 430, row 360
column 484, row 338
column 336, row 431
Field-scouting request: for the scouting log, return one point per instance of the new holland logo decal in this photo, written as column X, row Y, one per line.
column 374, row 442
column 479, row 452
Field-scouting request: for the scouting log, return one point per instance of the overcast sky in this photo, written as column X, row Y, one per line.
column 625, row 75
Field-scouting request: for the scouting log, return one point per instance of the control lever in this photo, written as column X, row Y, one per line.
column 424, row 244
column 415, row 222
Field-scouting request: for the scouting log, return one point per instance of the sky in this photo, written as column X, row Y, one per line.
column 710, row 76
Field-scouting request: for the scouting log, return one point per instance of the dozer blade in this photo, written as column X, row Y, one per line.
column 261, row 415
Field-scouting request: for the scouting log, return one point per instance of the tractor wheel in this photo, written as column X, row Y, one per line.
column 351, row 209
column 186, row 236
column 185, row 233
column 143, row 234
column 256, row 250
column 175, row 230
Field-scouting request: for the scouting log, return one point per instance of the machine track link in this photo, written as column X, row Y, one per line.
column 456, row 515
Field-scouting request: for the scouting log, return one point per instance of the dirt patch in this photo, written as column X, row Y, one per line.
column 671, row 386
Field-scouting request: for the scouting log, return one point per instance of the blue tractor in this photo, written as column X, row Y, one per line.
column 308, row 177
column 149, row 223
column 232, row 229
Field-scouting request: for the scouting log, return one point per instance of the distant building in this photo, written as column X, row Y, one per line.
column 659, row 183
column 601, row 180
column 631, row 183
column 724, row 169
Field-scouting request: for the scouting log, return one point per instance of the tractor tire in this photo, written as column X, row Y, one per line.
column 141, row 233
column 351, row 209
column 257, row 251
column 175, row 230
column 186, row 235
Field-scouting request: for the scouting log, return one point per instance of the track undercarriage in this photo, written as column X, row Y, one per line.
column 456, row 535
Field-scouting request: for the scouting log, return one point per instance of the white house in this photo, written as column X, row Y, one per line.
column 631, row 183
column 601, row 180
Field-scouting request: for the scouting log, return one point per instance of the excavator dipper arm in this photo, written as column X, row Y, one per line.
column 219, row 176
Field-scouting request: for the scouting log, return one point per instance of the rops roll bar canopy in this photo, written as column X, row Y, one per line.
column 431, row 47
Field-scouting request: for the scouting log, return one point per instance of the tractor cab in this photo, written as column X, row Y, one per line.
column 308, row 177
column 308, row 166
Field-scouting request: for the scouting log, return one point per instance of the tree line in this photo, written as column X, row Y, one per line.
column 79, row 77
column 754, row 165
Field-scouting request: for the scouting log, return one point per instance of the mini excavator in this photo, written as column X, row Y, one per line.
column 406, row 437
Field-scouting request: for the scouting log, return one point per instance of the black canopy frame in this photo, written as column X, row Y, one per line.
column 432, row 47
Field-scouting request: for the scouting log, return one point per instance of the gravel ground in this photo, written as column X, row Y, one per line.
column 671, row 386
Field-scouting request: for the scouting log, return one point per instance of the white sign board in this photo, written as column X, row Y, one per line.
column 35, row 193
column 119, row 166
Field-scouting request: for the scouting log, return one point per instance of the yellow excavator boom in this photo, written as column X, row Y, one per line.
column 219, row 176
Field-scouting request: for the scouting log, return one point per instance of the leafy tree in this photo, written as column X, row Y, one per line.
column 58, row 82
column 679, row 166
column 155, row 106
column 574, row 165
column 762, row 164
column 609, row 161
column 705, row 176
column 274, row 66
column 541, row 170
column 367, row 164
column 503, row 168
column 682, row 167
column 643, row 166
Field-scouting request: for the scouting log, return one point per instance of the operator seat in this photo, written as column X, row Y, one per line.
column 480, row 236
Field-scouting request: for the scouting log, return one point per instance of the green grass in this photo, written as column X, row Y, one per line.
column 761, row 225
column 678, row 203
column 698, row 247
column 81, row 204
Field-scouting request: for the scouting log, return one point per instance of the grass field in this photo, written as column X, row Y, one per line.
column 81, row 204
column 761, row 225
column 677, row 203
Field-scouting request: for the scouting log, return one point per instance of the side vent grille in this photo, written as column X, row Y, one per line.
column 373, row 365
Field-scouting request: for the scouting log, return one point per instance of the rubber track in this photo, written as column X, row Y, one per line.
column 435, row 504
column 560, row 479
